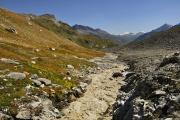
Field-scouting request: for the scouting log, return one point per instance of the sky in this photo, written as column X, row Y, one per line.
column 114, row 16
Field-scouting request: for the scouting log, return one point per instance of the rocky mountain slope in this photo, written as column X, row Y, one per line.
column 149, row 34
column 49, row 22
column 169, row 39
column 37, row 68
column 131, row 36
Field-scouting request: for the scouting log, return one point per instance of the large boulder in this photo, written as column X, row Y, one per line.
column 16, row 75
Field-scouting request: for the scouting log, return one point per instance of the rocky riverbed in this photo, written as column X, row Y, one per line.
column 96, row 104
column 151, row 90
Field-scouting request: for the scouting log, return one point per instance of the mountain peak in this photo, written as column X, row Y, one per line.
column 49, row 16
column 163, row 28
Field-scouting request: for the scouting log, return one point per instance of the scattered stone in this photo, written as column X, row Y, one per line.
column 35, row 58
column 24, row 114
column 5, row 117
column 83, row 85
column 26, row 73
column 70, row 67
column 34, row 76
column 68, row 73
column 37, row 83
column 29, row 23
column 68, row 78
column 44, row 81
column 33, row 62
column 77, row 92
column 37, row 50
column 175, row 58
column 52, row 49
column 12, row 30
column 128, row 74
column 54, row 55
column 16, row 76
column 159, row 92
column 1, row 87
column 150, row 93
column 10, row 61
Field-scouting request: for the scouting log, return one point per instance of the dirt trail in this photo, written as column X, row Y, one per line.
column 100, row 95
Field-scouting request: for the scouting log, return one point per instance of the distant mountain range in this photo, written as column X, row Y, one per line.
column 125, row 38
column 167, row 38
column 149, row 34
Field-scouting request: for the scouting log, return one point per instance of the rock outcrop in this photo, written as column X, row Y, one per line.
column 151, row 96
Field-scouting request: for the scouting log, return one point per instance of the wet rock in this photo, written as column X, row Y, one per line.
column 16, row 76
column 10, row 61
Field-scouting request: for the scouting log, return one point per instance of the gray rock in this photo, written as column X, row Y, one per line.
column 37, row 83
column 10, row 61
column 70, row 67
column 12, row 30
column 24, row 114
column 44, row 81
column 16, row 76
column 34, row 76
column 127, row 74
column 5, row 117
column 171, row 59
column 159, row 92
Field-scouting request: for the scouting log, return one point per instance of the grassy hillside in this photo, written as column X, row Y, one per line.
column 63, row 29
column 169, row 39
column 39, row 51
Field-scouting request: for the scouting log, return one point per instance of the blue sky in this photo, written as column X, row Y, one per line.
column 114, row 16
